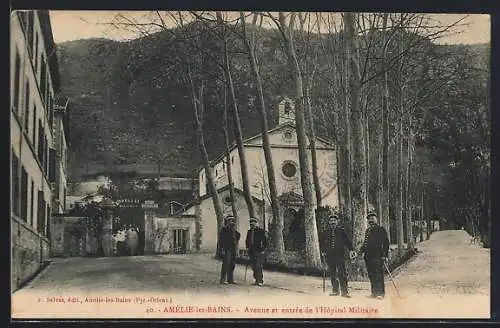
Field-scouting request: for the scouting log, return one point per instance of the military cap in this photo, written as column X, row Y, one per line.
column 333, row 215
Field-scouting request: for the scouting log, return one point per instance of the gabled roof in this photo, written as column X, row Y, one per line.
column 226, row 187
column 276, row 128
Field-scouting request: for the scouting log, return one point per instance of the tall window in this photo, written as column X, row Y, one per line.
column 49, row 108
column 27, row 106
column 30, row 28
column 52, row 165
column 34, row 127
column 46, row 156
column 43, row 78
column 46, row 231
column 35, row 55
column 24, row 195
column 32, row 205
column 14, row 184
column 17, row 72
column 41, row 144
column 40, row 222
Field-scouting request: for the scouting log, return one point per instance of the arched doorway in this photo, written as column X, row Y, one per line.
column 293, row 229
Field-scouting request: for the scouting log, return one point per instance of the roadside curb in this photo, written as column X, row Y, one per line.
column 42, row 270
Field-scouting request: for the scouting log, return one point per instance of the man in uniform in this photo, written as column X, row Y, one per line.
column 228, row 241
column 337, row 242
column 256, row 243
column 376, row 250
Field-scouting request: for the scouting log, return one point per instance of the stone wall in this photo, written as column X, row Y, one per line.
column 58, row 228
column 159, row 232
column 30, row 251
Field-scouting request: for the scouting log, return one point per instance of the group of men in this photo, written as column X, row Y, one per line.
column 256, row 244
column 335, row 242
column 375, row 249
column 127, row 240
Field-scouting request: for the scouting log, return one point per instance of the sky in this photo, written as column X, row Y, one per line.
column 74, row 25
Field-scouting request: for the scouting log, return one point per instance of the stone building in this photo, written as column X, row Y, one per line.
column 34, row 84
column 285, row 153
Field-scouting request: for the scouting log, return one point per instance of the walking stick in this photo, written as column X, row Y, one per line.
column 246, row 269
column 324, row 273
column 392, row 279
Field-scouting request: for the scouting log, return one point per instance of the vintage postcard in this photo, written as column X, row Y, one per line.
column 265, row 165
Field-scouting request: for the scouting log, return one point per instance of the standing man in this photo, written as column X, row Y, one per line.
column 376, row 250
column 228, row 241
column 337, row 243
column 256, row 243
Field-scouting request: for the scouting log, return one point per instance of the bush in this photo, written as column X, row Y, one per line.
column 294, row 262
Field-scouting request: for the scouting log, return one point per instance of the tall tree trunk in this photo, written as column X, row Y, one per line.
column 422, row 203
column 197, row 101
column 338, row 166
column 237, row 123
column 428, row 219
column 399, row 185
column 312, row 144
column 386, row 202
column 277, row 230
column 357, row 125
column 347, row 136
column 313, row 258
column 228, row 160
column 408, row 205
column 380, row 164
column 367, row 151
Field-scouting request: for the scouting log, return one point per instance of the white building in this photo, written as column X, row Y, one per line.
column 285, row 154
column 34, row 82
column 60, row 153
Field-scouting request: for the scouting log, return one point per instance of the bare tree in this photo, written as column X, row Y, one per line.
column 359, row 206
column 277, row 231
column 313, row 258
column 308, row 75
column 197, row 102
column 236, row 118
column 228, row 160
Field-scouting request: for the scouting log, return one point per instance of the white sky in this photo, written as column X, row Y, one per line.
column 73, row 25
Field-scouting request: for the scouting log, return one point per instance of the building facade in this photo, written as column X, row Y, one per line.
column 285, row 154
column 34, row 79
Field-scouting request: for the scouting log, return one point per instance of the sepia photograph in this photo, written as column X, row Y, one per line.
column 249, row 165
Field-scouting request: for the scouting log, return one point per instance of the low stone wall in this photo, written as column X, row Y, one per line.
column 30, row 252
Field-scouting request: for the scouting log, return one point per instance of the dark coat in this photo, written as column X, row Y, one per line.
column 376, row 243
column 259, row 240
column 229, row 238
column 342, row 243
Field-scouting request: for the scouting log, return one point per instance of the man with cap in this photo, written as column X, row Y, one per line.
column 256, row 243
column 228, row 241
column 336, row 243
column 376, row 250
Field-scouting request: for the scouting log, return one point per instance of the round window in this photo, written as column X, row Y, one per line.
column 228, row 200
column 289, row 169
